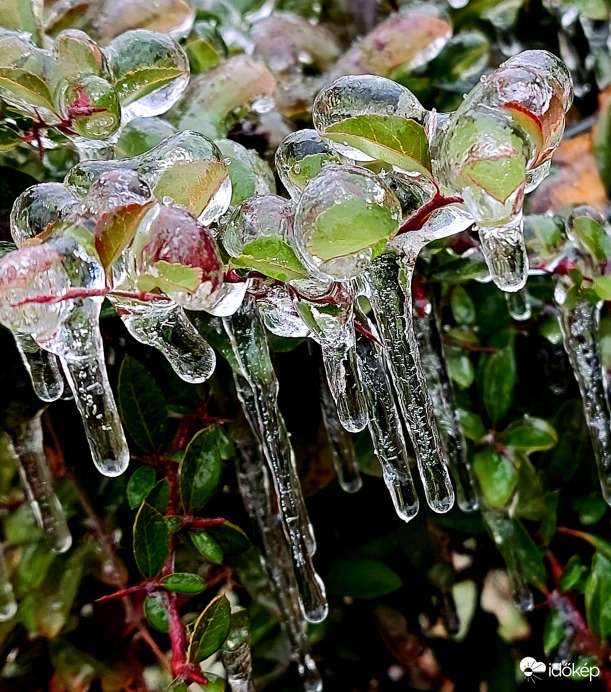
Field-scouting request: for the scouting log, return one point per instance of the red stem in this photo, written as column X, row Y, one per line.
column 417, row 220
column 74, row 293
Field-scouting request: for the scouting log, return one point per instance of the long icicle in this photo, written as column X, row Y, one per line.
column 236, row 657
column 389, row 287
column 42, row 366
column 256, row 491
column 579, row 320
column 385, row 426
column 340, row 441
column 27, row 442
column 249, row 344
column 428, row 334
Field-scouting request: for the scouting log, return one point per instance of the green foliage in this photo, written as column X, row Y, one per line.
column 211, row 629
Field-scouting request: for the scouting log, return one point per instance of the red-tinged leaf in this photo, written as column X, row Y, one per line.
column 116, row 229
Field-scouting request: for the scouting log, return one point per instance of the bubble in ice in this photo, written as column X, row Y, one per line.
column 300, row 157
column 351, row 96
column 176, row 253
column 38, row 208
column 257, row 217
column 141, row 50
column 345, row 213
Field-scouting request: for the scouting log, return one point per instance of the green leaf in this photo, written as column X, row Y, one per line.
column 496, row 475
column 23, row 15
column 591, row 508
column 184, row 582
column 20, row 87
column 178, row 685
column 499, row 380
column 202, row 55
column 159, row 497
column 155, row 610
column 151, row 541
column 350, row 227
column 593, row 234
column 553, row 631
column 239, row 631
column 115, row 230
column 530, row 557
column 361, row 579
column 573, row 573
column 143, row 408
column 200, row 470
column 472, row 425
column 399, row 141
column 463, row 308
column 9, row 137
column 230, row 538
column 173, row 276
column 216, row 683
column 207, row 546
column 211, row 630
column 192, row 184
column 598, row 596
column 273, row 257
column 499, row 177
column 136, row 85
column 140, row 485
column 602, row 144
column 460, row 366
column 529, row 435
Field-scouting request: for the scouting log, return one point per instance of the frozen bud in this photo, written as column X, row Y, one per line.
column 91, row 105
column 175, row 253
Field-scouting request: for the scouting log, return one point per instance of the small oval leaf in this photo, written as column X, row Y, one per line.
column 211, row 629
column 184, row 582
column 151, row 541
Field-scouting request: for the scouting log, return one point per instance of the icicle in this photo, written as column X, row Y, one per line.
column 8, row 604
column 505, row 254
column 79, row 345
column 501, row 526
column 171, row 332
column 27, row 442
column 518, row 305
column 332, row 326
column 257, row 495
column 579, row 319
column 260, row 404
column 389, row 281
column 427, row 329
column 340, row 441
column 46, row 377
column 385, row 426
column 235, row 653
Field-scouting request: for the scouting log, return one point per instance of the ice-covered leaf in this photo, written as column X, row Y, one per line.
column 9, row 137
column 143, row 408
column 499, row 177
column 140, row 485
column 593, row 234
column 136, row 85
column 151, row 541
column 211, row 629
column 155, row 608
column 273, row 257
column 496, row 475
column 399, row 141
column 361, row 578
column 115, row 230
column 19, row 86
column 23, row 15
column 191, row 184
column 184, row 582
column 529, row 435
column 200, row 470
column 350, row 227
column 171, row 275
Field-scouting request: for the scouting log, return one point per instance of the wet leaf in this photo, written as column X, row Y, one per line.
column 273, row 257
column 184, row 583
column 155, row 609
column 200, row 470
column 115, row 230
column 496, row 475
column 211, row 629
column 207, row 546
column 140, row 485
column 136, row 85
column 529, row 435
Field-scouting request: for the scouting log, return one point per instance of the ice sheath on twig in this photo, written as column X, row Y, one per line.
column 261, row 506
column 428, row 335
column 260, row 403
column 8, row 604
column 27, row 443
column 385, row 425
column 388, row 284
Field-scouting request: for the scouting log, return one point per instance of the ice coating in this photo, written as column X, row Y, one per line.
column 260, row 503
column 497, row 146
column 337, row 199
column 141, row 49
column 279, row 314
column 186, row 169
column 27, row 445
column 385, row 426
column 428, row 335
column 257, row 388
column 352, row 96
column 340, row 441
column 388, row 282
column 235, row 653
column 300, row 157
column 35, row 299
column 250, row 175
column 8, row 603
column 43, row 368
